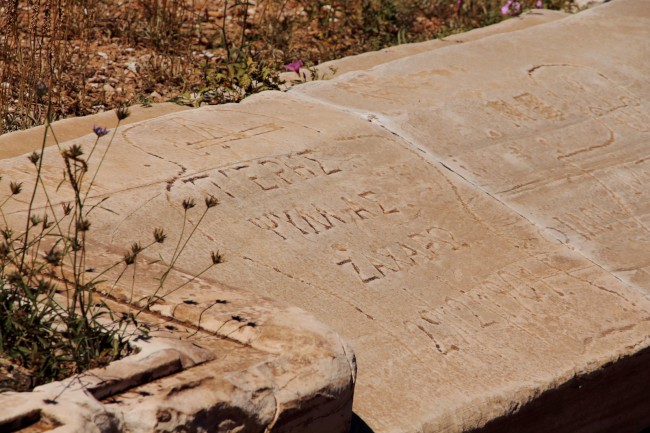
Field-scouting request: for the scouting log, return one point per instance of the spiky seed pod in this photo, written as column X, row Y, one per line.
column 34, row 157
column 188, row 203
column 46, row 222
column 159, row 235
column 136, row 248
column 129, row 258
column 75, row 245
column 73, row 152
column 54, row 256
column 211, row 201
column 122, row 112
column 83, row 225
column 7, row 233
column 216, row 257
column 15, row 187
column 67, row 208
column 35, row 220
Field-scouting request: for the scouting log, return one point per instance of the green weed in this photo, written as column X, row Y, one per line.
column 53, row 323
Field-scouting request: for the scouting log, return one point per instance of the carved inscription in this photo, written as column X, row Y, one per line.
column 414, row 250
column 634, row 185
column 633, row 116
column 593, row 220
column 536, row 105
column 592, row 93
column 314, row 219
column 606, row 142
column 508, row 111
column 205, row 135
column 265, row 174
column 585, row 91
column 525, row 107
column 513, row 296
column 530, row 298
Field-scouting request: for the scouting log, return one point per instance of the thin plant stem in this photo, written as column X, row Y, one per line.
column 101, row 161
column 33, row 197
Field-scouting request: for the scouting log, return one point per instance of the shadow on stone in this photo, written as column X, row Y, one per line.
column 582, row 406
column 358, row 425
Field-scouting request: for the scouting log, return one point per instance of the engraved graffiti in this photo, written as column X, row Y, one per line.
column 512, row 296
column 578, row 89
column 313, row 219
column 592, row 220
column 202, row 135
column 525, row 107
column 264, row 174
column 592, row 93
column 536, row 105
column 413, row 250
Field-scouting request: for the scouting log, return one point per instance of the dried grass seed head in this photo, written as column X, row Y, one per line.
column 15, row 187
column 216, row 257
column 75, row 245
column 54, row 256
column 159, row 235
column 211, row 201
column 188, row 203
column 83, row 225
column 7, row 233
column 34, row 158
column 129, row 257
column 136, row 248
column 5, row 250
column 35, row 220
column 122, row 112
column 67, row 208
column 46, row 222
column 73, row 152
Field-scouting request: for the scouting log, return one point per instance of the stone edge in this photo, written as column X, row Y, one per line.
column 75, row 405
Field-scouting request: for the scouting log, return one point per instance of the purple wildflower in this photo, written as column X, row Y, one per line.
column 459, row 5
column 511, row 7
column 539, row 4
column 294, row 67
column 99, row 131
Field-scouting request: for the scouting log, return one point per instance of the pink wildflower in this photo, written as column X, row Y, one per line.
column 459, row 5
column 294, row 66
column 539, row 4
column 511, row 7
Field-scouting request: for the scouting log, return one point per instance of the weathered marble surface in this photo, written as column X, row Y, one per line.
column 471, row 219
column 20, row 142
column 560, row 136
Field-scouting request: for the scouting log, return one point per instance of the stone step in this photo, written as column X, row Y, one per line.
column 471, row 219
column 21, row 142
column 369, row 60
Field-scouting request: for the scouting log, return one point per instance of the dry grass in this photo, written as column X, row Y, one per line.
column 83, row 56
